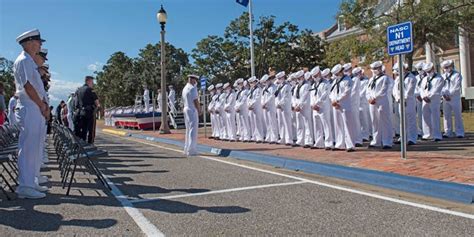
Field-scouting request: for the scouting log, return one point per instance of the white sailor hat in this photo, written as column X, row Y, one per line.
column 395, row 71
column 447, row 63
column 240, row 80
column 376, row 64
column 336, row 69
column 307, row 75
column 299, row 74
column 210, row 88
column 193, row 76
column 347, row 66
column 280, row 75
column 29, row 35
column 356, row 70
column 419, row 66
column 252, row 79
column 264, row 78
column 428, row 66
column 325, row 72
column 396, row 66
column 315, row 71
column 218, row 85
column 227, row 84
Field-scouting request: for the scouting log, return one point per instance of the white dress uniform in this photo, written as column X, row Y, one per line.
column 365, row 123
column 229, row 109
column 269, row 110
column 220, row 103
column 380, row 113
column 11, row 110
column 409, row 85
column 172, row 100
column 255, row 112
column 419, row 103
column 431, row 89
column 293, row 85
column 393, row 107
column 304, row 120
column 355, row 99
column 70, row 111
column 283, row 102
column 341, row 91
column 30, row 119
column 191, row 119
column 452, row 89
column 241, row 108
column 146, row 100
column 322, row 117
column 210, row 109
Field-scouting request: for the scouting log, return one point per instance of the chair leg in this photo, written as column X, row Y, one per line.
column 72, row 177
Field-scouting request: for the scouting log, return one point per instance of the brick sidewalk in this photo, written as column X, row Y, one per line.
column 449, row 160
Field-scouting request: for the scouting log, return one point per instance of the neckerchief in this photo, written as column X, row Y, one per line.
column 277, row 92
column 372, row 84
column 298, row 89
column 428, row 85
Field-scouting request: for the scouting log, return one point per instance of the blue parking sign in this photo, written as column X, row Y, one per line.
column 399, row 39
column 203, row 83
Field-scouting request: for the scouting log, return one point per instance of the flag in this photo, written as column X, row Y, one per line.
column 244, row 3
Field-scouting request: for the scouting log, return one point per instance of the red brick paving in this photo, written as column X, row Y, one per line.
column 431, row 164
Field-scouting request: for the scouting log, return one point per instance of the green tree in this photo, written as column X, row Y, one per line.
column 7, row 77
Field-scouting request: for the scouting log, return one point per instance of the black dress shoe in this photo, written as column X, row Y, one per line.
column 397, row 142
column 295, row 145
column 386, row 147
column 258, row 142
column 272, row 143
column 445, row 136
column 328, row 148
column 232, row 140
column 365, row 140
column 358, row 145
column 460, row 136
column 371, row 146
column 436, row 140
column 306, row 146
column 350, row 150
column 288, row 144
column 410, row 143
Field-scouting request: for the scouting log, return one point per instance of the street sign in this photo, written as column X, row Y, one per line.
column 399, row 39
column 203, row 83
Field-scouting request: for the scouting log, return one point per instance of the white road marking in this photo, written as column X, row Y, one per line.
column 217, row 191
column 145, row 225
column 395, row 200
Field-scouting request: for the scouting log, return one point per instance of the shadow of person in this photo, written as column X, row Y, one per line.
column 177, row 207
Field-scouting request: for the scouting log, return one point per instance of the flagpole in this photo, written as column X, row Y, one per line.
column 252, row 62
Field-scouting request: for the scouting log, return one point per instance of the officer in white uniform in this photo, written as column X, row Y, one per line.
column 255, row 110
column 340, row 95
column 172, row 99
column 31, row 114
column 269, row 109
column 210, row 109
column 229, row 109
column 380, row 113
column 219, row 108
column 452, row 100
column 419, row 100
column 364, row 110
column 11, row 109
column 355, row 99
column 191, row 110
column 302, row 105
column 431, row 93
column 241, row 109
column 283, row 107
column 409, row 85
column 146, row 98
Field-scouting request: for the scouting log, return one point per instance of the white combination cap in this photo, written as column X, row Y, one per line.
column 252, row 79
column 428, row 66
column 29, row 35
column 315, row 71
column 193, row 76
column 325, row 72
column 337, row 68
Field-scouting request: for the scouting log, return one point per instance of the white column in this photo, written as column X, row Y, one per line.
column 464, row 60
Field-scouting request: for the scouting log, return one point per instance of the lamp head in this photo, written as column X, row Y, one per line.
column 162, row 17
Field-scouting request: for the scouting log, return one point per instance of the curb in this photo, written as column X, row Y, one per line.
column 450, row 191
column 115, row 132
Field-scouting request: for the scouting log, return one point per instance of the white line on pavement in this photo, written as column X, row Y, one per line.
column 395, row 200
column 217, row 191
column 145, row 225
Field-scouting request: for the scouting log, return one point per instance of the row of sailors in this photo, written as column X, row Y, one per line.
column 336, row 109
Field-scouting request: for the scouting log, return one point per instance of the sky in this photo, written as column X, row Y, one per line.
column 82, row 34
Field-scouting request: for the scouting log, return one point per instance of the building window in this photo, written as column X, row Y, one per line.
column 341, row 26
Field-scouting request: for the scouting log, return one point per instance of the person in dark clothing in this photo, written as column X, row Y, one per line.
column 58, row 112
column 50, row 121
column 86, row 106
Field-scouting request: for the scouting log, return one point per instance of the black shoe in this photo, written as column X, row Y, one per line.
column 397, row 142
column 258, row 142
column 288, row 144
column 306, row 146
column 314, row 148
column 371, row 146
column 358, row 145
column 365, row 140
column 386, row 147
column 436, row 140
column 295, row 145
column 410, row 143
column 350, row 150
column 272, row 143
column 445, row 136
column 232, row 140
column 328, row 148
column 460, row 136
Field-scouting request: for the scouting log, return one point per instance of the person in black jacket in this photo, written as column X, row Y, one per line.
column 86, row 106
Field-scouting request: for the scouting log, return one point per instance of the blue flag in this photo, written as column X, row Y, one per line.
column 244, row 3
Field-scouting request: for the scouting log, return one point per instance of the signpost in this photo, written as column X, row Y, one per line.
column 400, row 42
column 203, row 89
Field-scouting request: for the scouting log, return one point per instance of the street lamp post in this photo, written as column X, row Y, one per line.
column 164, row 129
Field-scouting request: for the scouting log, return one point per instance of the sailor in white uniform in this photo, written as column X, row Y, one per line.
column 452, row 100
column 172, row 99
column 229, row 109
column 146, row 98
column 11, row 109
column 302, row 105
column 431, row 86
column 354, row 74
column 31, row 114
column 419, row 100
column 241, row 109
column 210, row 109
column 283, row 106
column 409, row 85
column 364, row 110
column 269, row 109
column 255, row 110
column 317, row 92
column 219, row 108
column 292, row 82
column 380, row 113
column 191, row 110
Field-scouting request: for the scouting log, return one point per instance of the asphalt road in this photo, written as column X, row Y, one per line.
column 158, row 191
